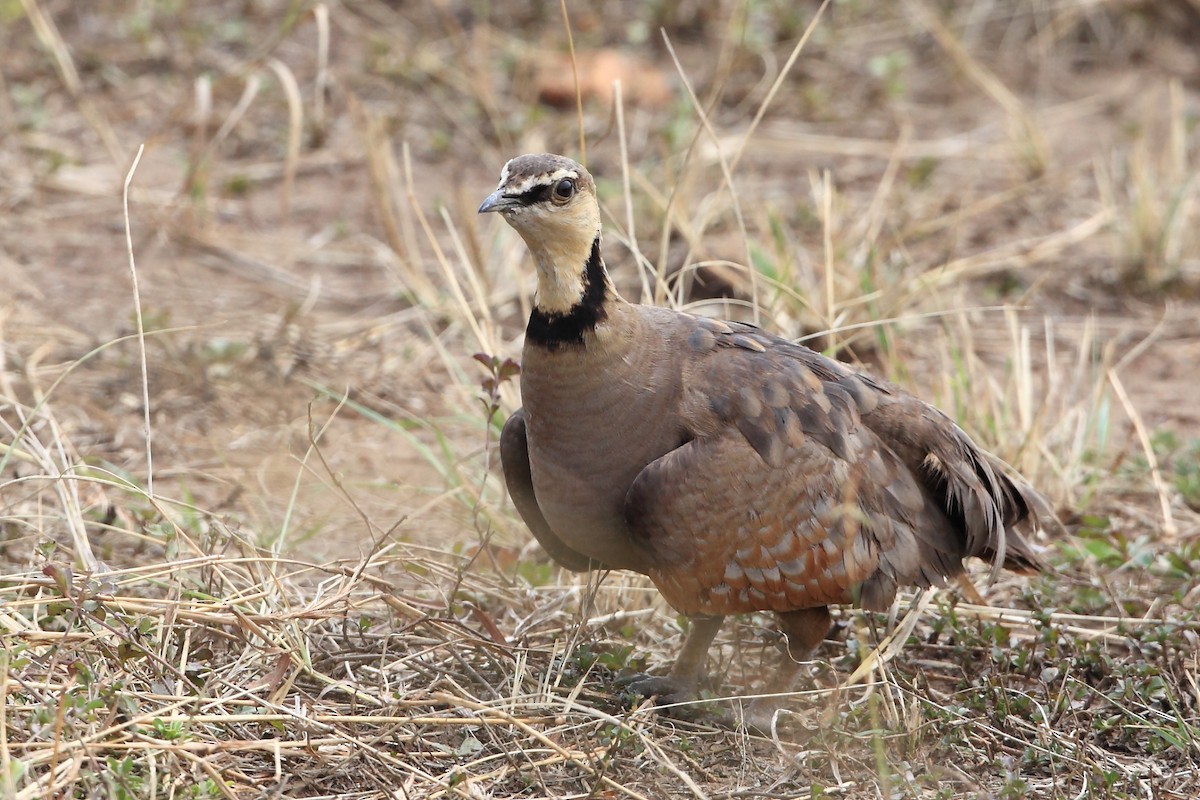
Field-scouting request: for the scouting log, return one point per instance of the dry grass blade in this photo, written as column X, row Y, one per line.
column 51, row 39
column 1022, row 254
column 291, row 90
column 892, row 644
column 645, row 269
column 1164, row 494
column 322, row 83
column 1029, row 138
column 777, row 83
column 726, row 172
column 141, row 328
column 482, row 339
column 575, row 80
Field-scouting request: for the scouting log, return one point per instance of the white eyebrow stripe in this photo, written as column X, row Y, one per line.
column 534, row 180
column 504, row 175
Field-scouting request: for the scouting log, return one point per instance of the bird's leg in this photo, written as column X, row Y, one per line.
column 683, row 682
column 693, row 656
column 804, row 629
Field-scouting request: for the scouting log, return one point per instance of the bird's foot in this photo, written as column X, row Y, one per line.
column 667, row 689
column 758, row 716
column 675, row 696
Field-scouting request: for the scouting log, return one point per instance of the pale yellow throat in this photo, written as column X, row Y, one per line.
column 560, row 280
column 560, row 242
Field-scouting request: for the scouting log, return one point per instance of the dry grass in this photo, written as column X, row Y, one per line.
column 253, row 539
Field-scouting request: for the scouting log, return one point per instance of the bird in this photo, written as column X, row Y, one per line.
column 738, row 470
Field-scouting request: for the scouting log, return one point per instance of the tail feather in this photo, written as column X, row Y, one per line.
column 993, row 508
column 996, row 508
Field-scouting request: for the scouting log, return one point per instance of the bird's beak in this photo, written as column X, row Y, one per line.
column 496, row 201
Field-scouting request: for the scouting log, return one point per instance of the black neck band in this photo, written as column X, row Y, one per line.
column 554, row 330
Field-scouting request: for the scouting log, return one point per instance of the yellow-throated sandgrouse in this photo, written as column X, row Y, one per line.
column 739, row 471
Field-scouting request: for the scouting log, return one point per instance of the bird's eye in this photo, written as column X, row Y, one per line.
column 564, row 190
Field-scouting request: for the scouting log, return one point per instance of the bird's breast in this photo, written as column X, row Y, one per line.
column 592, row 428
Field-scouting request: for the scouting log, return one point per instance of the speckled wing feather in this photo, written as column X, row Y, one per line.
column 788, row 497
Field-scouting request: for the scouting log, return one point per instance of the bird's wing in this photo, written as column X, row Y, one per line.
column 514, row 457
column 731, row 533
column 987, row 502
column 786, row 497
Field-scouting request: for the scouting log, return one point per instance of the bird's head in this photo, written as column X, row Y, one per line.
column 551, row 201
